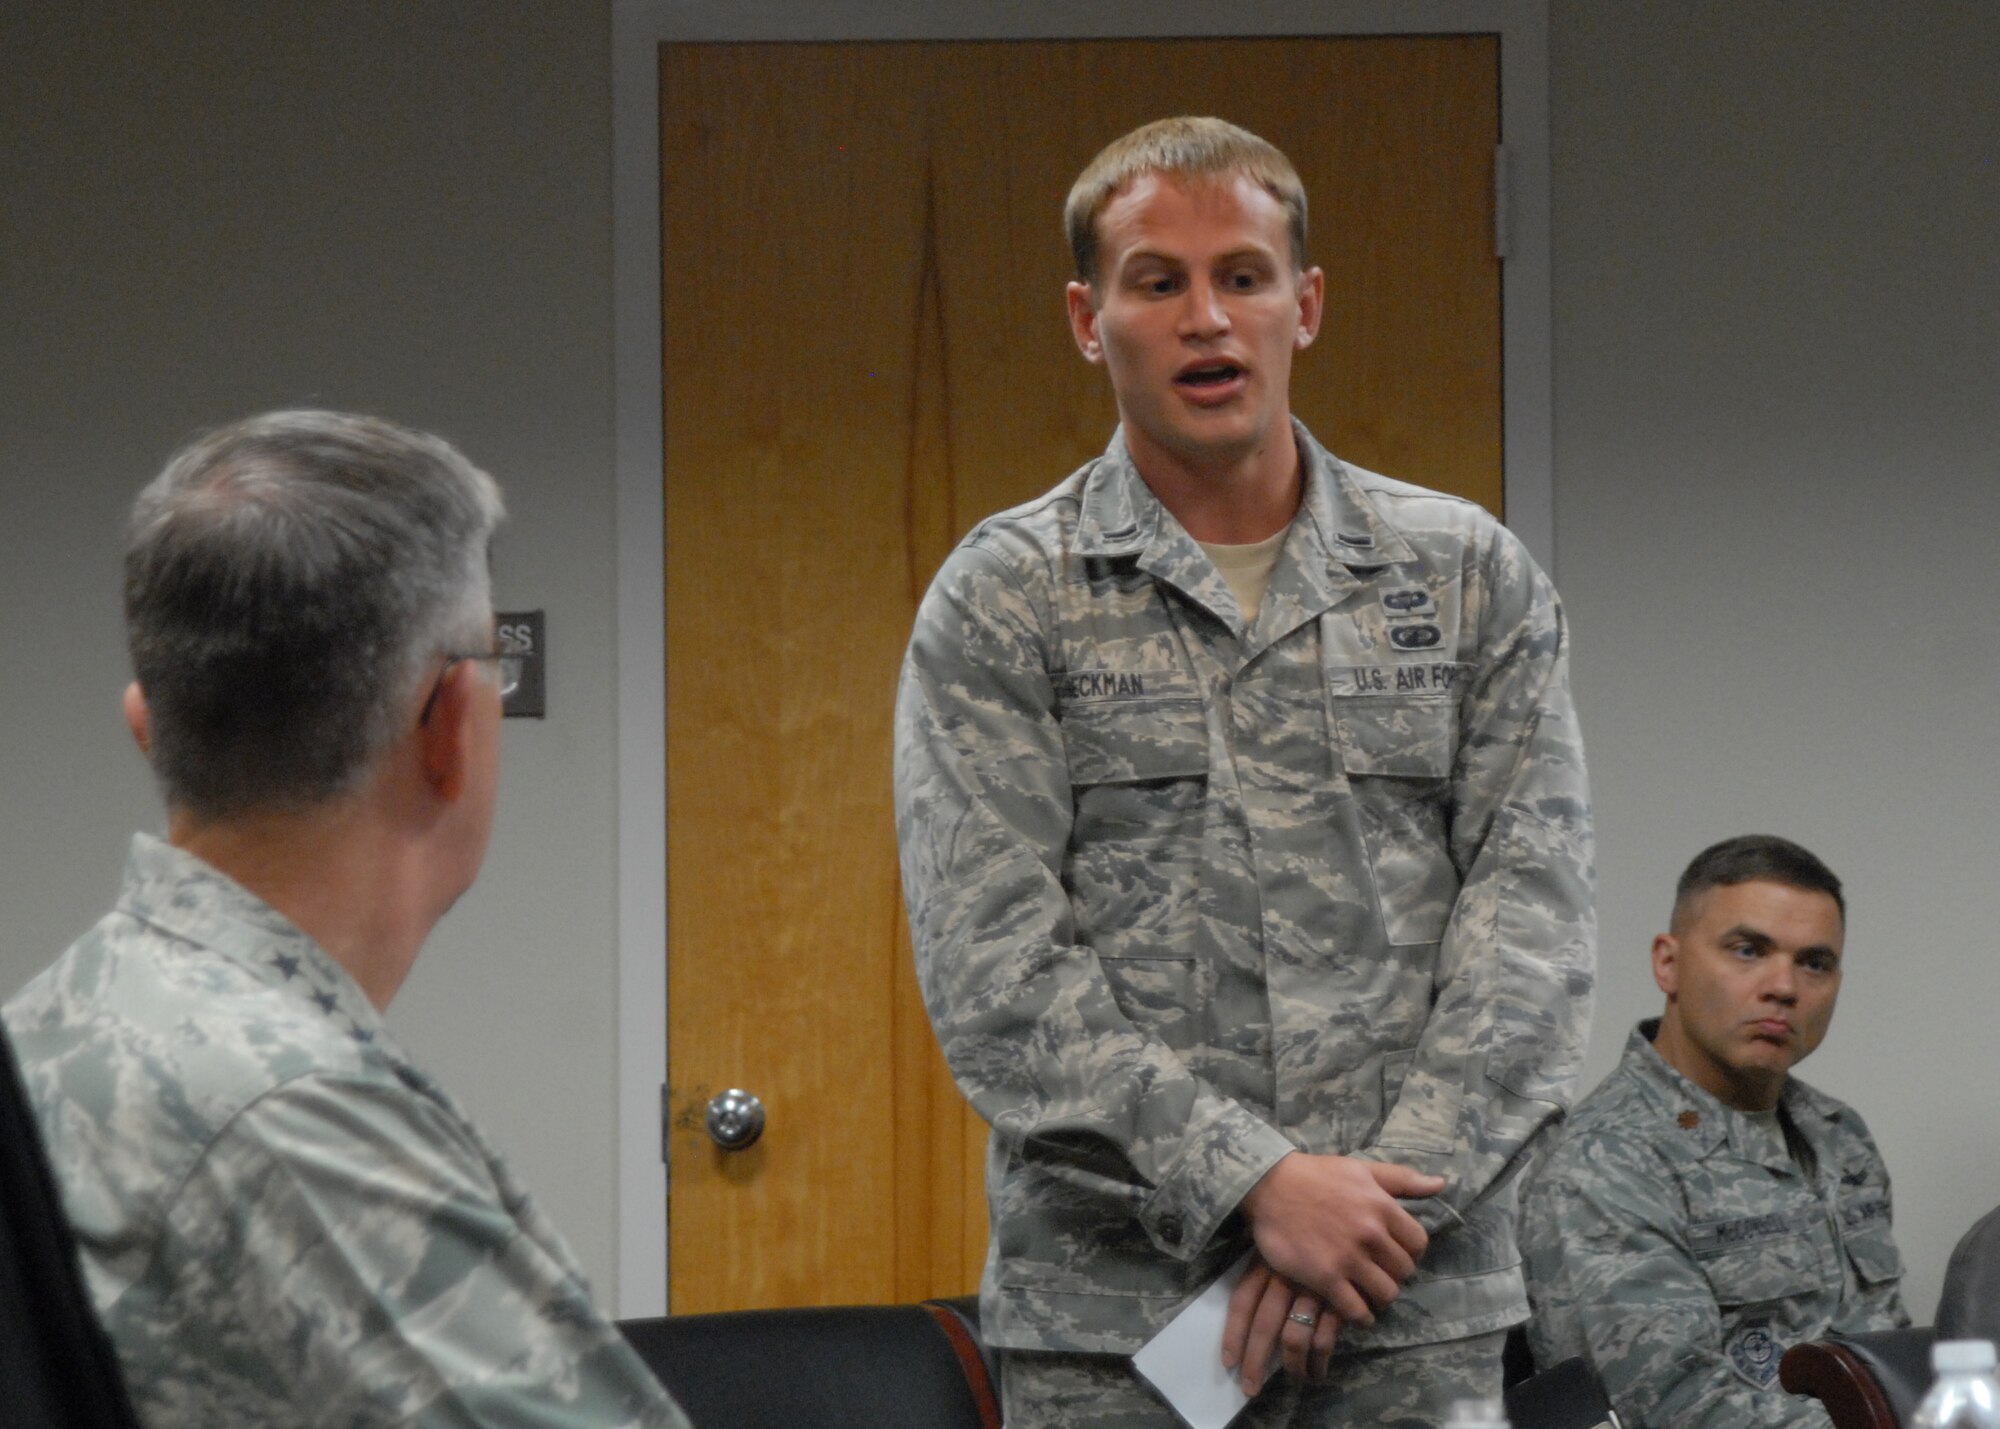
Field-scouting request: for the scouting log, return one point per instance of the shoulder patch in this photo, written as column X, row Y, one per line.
column 1754, row 1352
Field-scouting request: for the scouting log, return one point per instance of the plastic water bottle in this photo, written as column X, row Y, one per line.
column 1479, row 1414
column 1964, row 1395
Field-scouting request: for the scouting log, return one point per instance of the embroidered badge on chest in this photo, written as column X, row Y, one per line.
column 1408, row 601
column 1754, row 1352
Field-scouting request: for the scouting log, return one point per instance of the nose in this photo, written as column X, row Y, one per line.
column 1781, row 982
column 1203, row 315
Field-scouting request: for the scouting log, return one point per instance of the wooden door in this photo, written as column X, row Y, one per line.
column 864, row 353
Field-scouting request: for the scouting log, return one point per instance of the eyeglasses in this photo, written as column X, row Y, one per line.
column 506, row 669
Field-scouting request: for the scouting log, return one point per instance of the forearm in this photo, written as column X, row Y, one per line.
column 1704, row 1393
column 1645, row 1319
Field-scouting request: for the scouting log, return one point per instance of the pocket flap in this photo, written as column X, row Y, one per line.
column 1873, row 1251
column 1130, row 743
column 1759, row 1269
column 1408, row 739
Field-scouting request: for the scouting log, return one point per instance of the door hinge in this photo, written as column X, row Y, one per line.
column 666, row 1125
column 1503, row 217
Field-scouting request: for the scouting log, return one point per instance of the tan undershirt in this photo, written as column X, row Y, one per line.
column 1247, row 570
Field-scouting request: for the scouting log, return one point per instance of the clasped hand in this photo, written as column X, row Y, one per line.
column 1333, row 1247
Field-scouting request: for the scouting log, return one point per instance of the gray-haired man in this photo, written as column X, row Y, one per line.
column 282, row 1219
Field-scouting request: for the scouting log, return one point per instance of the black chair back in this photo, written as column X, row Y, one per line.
column 1517, row 1360
column 1969, row 1308
column 847, row 1367
column 1563, row 1396
column 1872, row 1380
column 57, row 1367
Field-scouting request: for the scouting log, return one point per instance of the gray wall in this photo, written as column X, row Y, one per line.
column 1777, row 441
column 400, row 208
column 1776, row 429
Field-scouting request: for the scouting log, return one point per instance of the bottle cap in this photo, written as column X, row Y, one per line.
column 1962, row 1356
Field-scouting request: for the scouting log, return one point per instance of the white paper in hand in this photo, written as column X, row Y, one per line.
column 1184, row 1361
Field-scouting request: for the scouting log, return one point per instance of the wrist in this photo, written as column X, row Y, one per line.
column 1258, row 1197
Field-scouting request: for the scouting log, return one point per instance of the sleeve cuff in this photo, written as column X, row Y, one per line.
column 1434, row 1213
column 1227, row 1151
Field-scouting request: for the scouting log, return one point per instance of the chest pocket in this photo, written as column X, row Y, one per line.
column 1135, row 742
column 1864, row 1224
column 1139, row 781
column 1757, row 1261
column 1397, row 754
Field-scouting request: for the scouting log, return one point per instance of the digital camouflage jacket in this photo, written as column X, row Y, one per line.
column 1187, row 895
column 283, row 1220
column 1675, row 1244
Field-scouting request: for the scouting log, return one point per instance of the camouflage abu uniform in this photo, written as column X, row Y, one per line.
column 1186, row 896
column 1673, row 1242
column 282, row 1220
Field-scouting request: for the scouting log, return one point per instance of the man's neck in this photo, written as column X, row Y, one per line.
column 1234, row 501
column 334, row 874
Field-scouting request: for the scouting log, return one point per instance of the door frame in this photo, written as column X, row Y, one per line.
column 638, row 28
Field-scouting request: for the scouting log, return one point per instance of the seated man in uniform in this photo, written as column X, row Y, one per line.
column 1705, row 1210
column 282, row 1219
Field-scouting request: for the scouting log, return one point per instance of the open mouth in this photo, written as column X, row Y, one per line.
column 1215, row 374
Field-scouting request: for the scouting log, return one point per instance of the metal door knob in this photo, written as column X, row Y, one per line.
column 735, row 1119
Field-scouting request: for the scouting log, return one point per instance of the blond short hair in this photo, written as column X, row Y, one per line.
column 1187, row 144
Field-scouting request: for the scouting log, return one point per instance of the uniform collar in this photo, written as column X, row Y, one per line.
column 190, row 899
column 1709, row 1124
column 1337, row 537
column 1347, row 529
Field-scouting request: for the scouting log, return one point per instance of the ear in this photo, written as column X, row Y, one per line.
column 1666, row 963
column 1083, row 321
column 1312, row 304
column 138, row 718
column 444, row 741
